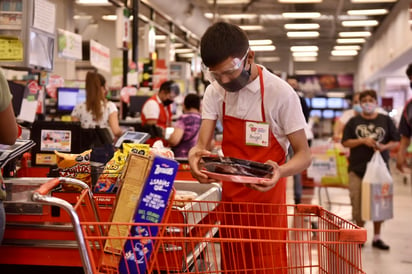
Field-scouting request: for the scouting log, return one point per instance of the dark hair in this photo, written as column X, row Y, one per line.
column 170, row 86
column 192, row 101
column 94, row 94
column 409, row 70
column 221, row 41
column 368, row 92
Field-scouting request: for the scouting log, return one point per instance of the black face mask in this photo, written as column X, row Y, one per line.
column 167, row 102
column 238, row 83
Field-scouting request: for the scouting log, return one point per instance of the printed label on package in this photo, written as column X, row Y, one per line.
column 151, row 207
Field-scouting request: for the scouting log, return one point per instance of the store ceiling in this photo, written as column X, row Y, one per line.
column 268, row 15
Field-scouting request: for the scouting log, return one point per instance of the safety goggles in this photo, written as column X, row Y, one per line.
column 229, row 73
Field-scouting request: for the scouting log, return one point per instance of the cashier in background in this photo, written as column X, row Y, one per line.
column 8, row 136
column 250, row 101
column 157, row 109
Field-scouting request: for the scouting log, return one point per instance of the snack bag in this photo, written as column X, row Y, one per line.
column 142, row 149
column 111, row 172
column 74, row 166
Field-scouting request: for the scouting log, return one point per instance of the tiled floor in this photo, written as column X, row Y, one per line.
column 396, row 232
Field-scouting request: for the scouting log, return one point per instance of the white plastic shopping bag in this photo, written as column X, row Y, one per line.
column 377, row 190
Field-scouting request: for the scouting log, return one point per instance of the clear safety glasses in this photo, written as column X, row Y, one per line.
column 229, row 73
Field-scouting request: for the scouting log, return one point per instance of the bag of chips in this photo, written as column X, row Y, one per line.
column 111, row 172
column 74, row 166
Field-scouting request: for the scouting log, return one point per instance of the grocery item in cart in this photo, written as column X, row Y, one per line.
column 111, row 172
column 74, row 166
column 183, row 197
column 236, row 170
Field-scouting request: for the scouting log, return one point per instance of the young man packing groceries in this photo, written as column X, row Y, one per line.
column 243, row 93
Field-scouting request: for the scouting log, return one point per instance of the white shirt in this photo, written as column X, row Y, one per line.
column 86, row 118
column 151, row 108
column 282, row 106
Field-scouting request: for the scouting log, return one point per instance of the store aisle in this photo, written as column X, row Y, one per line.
column 396, row 232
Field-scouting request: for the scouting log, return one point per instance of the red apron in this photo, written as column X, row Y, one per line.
column 164, row 120
column 253, row 256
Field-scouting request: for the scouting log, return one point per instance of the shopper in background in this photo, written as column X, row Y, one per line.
column 98, row 112
column 405, row 128
column 186, row 128
column 345, row 117
column 297, row 178
column 8, row 136
column 157, row 110
column 243, row 94
column 364, row 134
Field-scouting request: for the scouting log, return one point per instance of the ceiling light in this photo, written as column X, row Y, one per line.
column 372, row 1
column 227, row 2
column 94, row 2
column 305, row 59
column 360, row 23
column 339, row 94
column 302, row 34
column 299, row 1
column 302, row 26
column 341, row 58
column 344, row 52
column 304, row 48
column 251, row 27
column 160, row 37
column 305, row 53
column 163, row 45
column 187, row 55
column 263, row 48
column 185, row 50
column 268, row 59
column 305, row 72
column 368, row 12
column 350, row 40
column 109, row 17
column 301, row 15
column 239, row 16
column 355, row 34
column 260, row 42
column 347, row 47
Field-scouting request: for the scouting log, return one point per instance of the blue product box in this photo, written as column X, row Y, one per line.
column 150, row 209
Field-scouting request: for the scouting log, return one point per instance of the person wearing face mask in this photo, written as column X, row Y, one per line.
column 363, row 135
column 244, row 96
column 405, row 127
column 157, row 110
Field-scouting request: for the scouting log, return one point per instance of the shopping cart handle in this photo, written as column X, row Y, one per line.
column 48, row 186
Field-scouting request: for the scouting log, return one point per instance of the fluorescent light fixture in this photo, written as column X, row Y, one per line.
column 344, row 52
column 340, row 58
column 301, row 15
column 360, row 23
column 186, row 55
column 263, row 48
column 185, row 50
column 336, row 94
column 163, row 45
column 302, row 34
column 303, row 48
column 305, row 72
column 160, row 37
column 261, row 42
column 109, row 17
column 227, row 2
column 347, row 47
column 302, row 26
column 299, row 1
column 305, row 59
column 82, row 17
column 350, row 40
column 251, row 27
column 305, row 54
column 355, row 34
column 94, row 2
column 372, row 1
column 368, row 12
column 268, row 59
column 239, row 16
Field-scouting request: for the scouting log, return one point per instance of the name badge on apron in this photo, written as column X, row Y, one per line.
column 257, row 134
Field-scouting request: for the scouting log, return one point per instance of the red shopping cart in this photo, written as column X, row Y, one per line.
column 206, row 236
